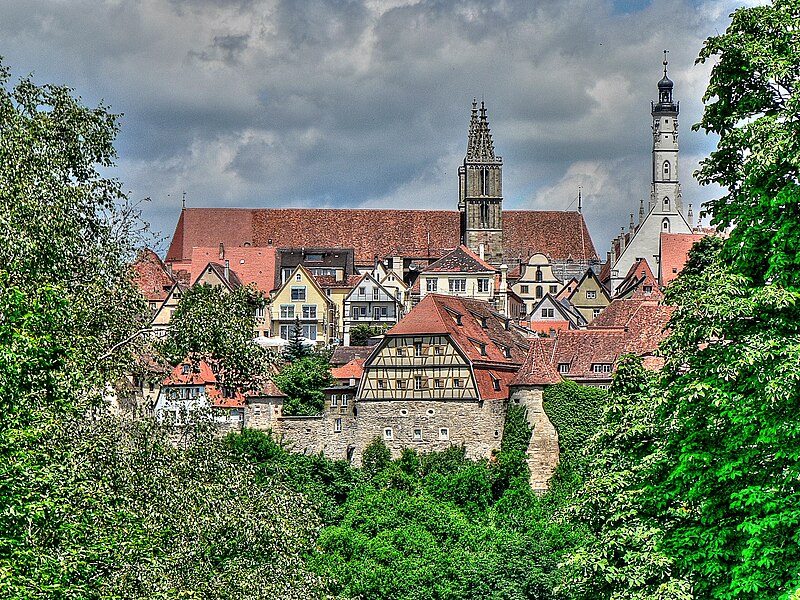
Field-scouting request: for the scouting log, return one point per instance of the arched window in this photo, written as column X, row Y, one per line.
column 538, row 275
column 666, row 170
column 539, row 292
column 666, row 203
column 484, row 214
column 665, row 225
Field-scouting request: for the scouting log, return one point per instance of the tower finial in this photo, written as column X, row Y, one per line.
column 665, row 62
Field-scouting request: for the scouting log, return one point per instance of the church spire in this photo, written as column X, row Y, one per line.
column 480, row 147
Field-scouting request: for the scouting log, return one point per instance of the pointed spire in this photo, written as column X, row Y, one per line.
column 480, row 147
column 630, row 225
column 641, row 210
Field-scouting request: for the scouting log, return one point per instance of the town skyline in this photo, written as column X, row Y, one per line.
column 366, row 105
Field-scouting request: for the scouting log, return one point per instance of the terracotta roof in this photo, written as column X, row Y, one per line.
column 151, row 276
column 268, row 390
column 344, row 354
column 460, row 260
column 556, row 234
column 566, row 291
column 352, row 370
column 538, row 366
column 474, row 325
column 414, row 233
column 330, row 281
column 252, row 265
column 674, row 253
column 199, row 373
column 638, row 277
column 232, row 280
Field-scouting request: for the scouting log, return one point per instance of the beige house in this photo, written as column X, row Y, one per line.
column 301, row 298
column 460, row 273
column 536, row 279
column 589, row 297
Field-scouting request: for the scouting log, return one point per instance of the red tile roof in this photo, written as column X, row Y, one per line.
column 639, row 277
column 252, row 265
column 674, row 253
column 352, row 370
column 460, row 260
column 268, row 390
column 330, row 281
column 413, row 233
column 439, row 314
column 200, row 373
column 151, row 276
column 538, row 366
column 344, row 354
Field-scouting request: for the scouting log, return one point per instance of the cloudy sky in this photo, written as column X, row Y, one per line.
column 365, row 103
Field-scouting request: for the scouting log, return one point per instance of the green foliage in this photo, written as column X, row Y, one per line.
column 702, row 255
column 360, row 334
column 619, row 555
column 296, row 349
column 576, row 412
column 216, row 325
column 375, row 458
column 303, row 381
column 752, row 103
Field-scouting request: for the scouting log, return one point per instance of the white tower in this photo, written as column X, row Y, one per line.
column 665, row 192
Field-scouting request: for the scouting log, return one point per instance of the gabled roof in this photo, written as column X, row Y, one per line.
column 252, row 265
column 565, row 292
column 460, row 260
column 588, row 275
column 330, row 281
column 363, row 279
column 639, row 277
column 371, row 233
column 345, row 354
column 199, row 373
column 484, row 335
column 290, row 281
column 565, row 309
column 538, row 366
column 151, row 276
column 230, row 279
column 674, row 253
column 352, row 370
column 268, row 390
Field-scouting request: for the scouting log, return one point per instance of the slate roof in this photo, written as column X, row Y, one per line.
column 252, row 265
column 674, row 253
column 373, row 232
column 460, row 260
column 344, row 354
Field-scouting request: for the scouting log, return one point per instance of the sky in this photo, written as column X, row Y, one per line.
column 366, row 103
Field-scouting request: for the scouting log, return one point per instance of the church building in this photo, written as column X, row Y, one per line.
column 665, row 208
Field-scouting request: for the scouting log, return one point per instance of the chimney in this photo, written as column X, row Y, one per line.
column 397, row 264
column 221, row 251
column 227, row 270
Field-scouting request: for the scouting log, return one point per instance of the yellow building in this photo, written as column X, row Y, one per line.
column 301, row 299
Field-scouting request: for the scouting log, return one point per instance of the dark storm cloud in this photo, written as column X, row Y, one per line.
column 337, row 102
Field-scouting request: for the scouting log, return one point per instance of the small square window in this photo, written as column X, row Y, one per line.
column 185, row 369
column 381, row 384
column 457, row 383
column 591, row 294
column 401, row 351
column 298, row 277
column 563, row 367
column 524, row 289
column 444, row 433
column 418, row 435
column 401, row 384
column 438, row 350
column 439, row 383
column 430, row 284
column 388, row 434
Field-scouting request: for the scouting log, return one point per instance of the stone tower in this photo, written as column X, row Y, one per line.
column 665, row 192
column 480, row 191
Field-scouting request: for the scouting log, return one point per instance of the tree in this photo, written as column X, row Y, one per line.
column 296, row 348
column 216, row 325
column 303, row 381
column 752, row 103
column 360, row 334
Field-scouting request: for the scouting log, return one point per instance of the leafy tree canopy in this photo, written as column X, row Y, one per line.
column 303, row 381
column 360, row 334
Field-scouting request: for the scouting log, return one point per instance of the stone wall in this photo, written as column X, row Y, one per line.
column 542, row 455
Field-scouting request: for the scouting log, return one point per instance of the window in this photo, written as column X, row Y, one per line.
column 483, row 284
column 563, row 368
column 523, row 289
column 362, row 291
column 538, row 275
column 496, row 384
column 400, row 351
column 596, row 312
column 286, row 332
column 438, row 383
column 539, row 291
column 401, row 384
column 601, row 368
column 553, row 289
column 388, row 434
column 420, row 383
column 376, row 294
column 438, row 350
column 591, row 294
column 298, row 293
column 458, row 284
column 418, row 349
column 418, row 435
column 381, row 384
column 548, row 313
column 345, row 400
column 666, row 170
column 334, row 400
column 287, row 311
column 665, row 225
column 648, row 289
column 457, row 383
column 666, row 203
column 314, row 257
column 309, row 311
column 310, row 332
column 430, row 284
column 185, row 369
column 337, row 426
column 259, row 312
column 444, row 433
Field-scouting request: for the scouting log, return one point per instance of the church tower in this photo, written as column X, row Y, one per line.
column 665, row 192
column 480, row 191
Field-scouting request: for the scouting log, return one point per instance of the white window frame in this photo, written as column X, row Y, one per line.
column 298, row 293
column 444, row 434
